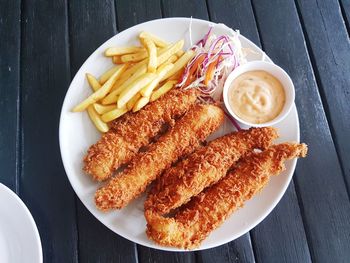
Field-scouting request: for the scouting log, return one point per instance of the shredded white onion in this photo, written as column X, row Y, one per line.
column 227, row 54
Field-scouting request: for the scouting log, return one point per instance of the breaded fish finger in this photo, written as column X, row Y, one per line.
column 205, row 212
column 205, row 167
column 182, row 139
column 134, row 130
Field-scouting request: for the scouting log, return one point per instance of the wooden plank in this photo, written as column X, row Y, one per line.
column 150, row 255
column 239, row 250
column 134, row 12
column 44, row 77
column 330, row 54
column 10, row 36
column 320, row 185
column 99, row 244
column 183, row 8
column 87, row 31
column 284, row 228
column 281, row 236
column 345, row 9
column 235, row 14
column 91, row 23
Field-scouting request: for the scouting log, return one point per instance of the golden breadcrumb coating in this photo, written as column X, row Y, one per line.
column 205, row 167
column 134, row 130
column 182, row 139
column 205, row 212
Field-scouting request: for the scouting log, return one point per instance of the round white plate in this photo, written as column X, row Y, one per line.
column 77, row 134
column 19, row 236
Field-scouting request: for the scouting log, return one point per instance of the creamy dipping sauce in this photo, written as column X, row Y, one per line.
column 256, row 96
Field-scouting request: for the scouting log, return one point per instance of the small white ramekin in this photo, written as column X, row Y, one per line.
column 275, row 71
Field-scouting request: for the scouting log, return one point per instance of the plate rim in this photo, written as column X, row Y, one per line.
column 25, row 209
column 156, row 246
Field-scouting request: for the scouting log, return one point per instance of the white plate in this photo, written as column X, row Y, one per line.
column 19, row 236
column 77, row 134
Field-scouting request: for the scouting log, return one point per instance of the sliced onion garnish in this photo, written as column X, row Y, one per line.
column 225, row 51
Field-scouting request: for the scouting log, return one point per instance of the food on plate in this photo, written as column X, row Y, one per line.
column 215, row 57
column 155, row 107
column 101, row 109
column 101, row 92
column 114, row 51
column 134, row 88
column 186, row 135
column 131, row 103
column 130, row 84
column 142, row 102
column 114, row 114
column 179, row 64
column 117, row 60
column 161, row 71
column 94, row 83
column 205, row 212
column 159, row 42
column 135, row 57
column 163, row 89
column 205, row 167
column 134, row 130
column 108, row 74
column 256, row 96
column 148, row 43
column 100, row 125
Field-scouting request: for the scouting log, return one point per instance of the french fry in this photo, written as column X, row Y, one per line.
column 158, row 41
column 180, row 53
column 162, row 90
column 179, row 64
column 130, row 71
column 166, row 53
column 172, row 59
column 132, row 102
column 113, row 96
column 163, row 55
column 152, row 54
column 142, row 70
column 134, row 88
column 134, row 57
column 176, row 76
column 115, row 51
column 117, row 60
column 102, row 92
column 114, row 114
column 93, row 82
column 105, row 76
column 95, row 118
column 142, row 102
column 101, row 109
column 141, row 67
column 161, row 72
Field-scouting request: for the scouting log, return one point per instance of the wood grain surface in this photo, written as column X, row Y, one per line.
column 44, row 43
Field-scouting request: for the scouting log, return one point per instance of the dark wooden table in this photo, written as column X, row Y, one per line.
column 43, row 44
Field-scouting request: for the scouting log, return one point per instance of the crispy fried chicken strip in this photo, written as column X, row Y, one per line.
column 205, row 167
column 129, row 133
column 182, row 139
column 205, row 212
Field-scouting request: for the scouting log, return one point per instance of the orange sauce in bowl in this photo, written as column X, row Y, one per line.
column 256, row 96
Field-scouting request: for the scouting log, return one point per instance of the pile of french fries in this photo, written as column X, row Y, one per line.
column 140, row 75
